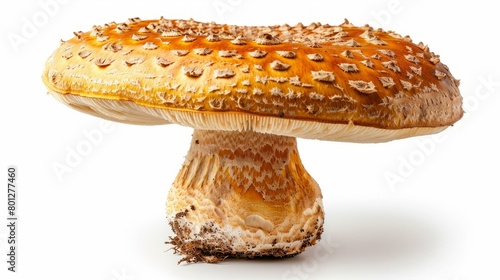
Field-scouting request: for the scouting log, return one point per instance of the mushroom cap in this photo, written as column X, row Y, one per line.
column 340, row 83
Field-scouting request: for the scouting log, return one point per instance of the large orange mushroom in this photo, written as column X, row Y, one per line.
column 248, row 92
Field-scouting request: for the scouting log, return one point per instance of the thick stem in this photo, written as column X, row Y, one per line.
column 243, row 194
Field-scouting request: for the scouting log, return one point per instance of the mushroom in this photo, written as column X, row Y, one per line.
column 242, row 190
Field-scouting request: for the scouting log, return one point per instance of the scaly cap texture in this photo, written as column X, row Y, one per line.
column 328, row 82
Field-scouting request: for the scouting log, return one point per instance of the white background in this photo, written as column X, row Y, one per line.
column 106, row 218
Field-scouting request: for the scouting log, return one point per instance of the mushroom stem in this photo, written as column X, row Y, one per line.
column 245, row 195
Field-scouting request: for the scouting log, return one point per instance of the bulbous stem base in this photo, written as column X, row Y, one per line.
column 245, row 195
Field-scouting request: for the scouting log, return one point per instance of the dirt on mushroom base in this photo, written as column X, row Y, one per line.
column 211, row 247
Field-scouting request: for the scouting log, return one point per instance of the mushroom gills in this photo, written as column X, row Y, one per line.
column 245, row 195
